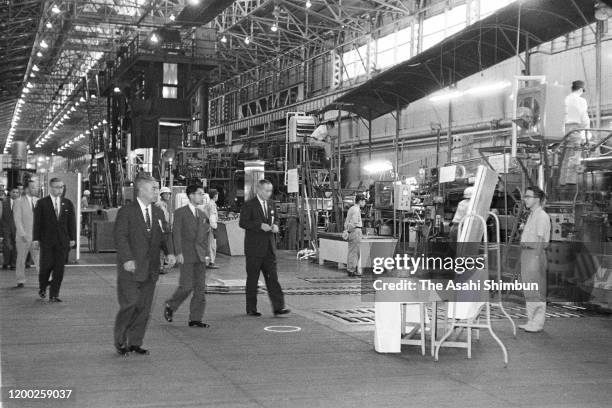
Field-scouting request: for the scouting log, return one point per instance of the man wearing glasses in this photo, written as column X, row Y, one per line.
column 534, row 241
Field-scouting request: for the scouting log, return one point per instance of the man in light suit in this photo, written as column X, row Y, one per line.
column 23, row 214
column 54, row 232
column 140, row 234
column 190, row 237
column 257, row 218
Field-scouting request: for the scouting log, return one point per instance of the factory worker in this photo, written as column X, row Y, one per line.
column 353, row 225
column 462, row 209
column 534, row 241
column 576, row 117
column 321, row 138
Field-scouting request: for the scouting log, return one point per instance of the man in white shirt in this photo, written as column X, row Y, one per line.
column 321, row 138
column 576, row 117
column 23, row 214
column 213, row 217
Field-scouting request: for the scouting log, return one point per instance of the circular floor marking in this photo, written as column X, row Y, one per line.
column 282, row 329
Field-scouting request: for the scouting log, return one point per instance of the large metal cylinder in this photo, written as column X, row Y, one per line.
column 19, row 154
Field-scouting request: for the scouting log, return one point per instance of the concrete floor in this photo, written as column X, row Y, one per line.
column 236, row 363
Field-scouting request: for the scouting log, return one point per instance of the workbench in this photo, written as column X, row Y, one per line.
column 335, row 249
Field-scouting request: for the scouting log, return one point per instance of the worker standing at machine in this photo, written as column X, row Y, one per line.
column 576, row 117
column 462, row 209
column 353, row 225
column 163, row 203
column 321, row 138
column 534, row 241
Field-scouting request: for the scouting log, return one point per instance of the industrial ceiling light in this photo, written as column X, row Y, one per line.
column 194, row 2
column 32, row 75
column 73, row 109
column 26, row 90
column 35, row 68
column 172, row 17
column 29, row 85
column 55, row 9
column 81, row 99
column 247, row 40
column 104, row 121
column 274, row 28
column 154, row 38
column 44, row 44
column 224, row 39
column 39, row 54
column 49, row 25
column 308, row 4
column 117, row 90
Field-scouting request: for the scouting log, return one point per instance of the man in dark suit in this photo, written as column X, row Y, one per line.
column 54, row 233
column 140, row 234
column 190, row 237
column 257, row 218
column 9, row 251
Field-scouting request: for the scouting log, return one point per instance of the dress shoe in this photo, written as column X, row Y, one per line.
column 212, row 266
column 4, row 266
column 281, row 312
column 168, row 313
column 529, row 328
column 195, row 323
column 19, row 285
column 55, row 299
column 139, row 350
column 42, row 293
column 122, row 350
column 254, row 313
column 12, row 268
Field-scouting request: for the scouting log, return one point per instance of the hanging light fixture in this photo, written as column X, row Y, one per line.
column 308, row 4
column 49, row 25
column 39, row 54
column 224, row 39
column 154, row 38
column 44, row 44
column 247, row 40
column 172, row 17
column 55, row 9
column 274, row 28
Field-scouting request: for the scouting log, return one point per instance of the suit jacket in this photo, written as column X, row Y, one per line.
column 190, row 234
column 257, row 242
column 134, row 243
column 23, row 214
column 7, row 222
column 50, row 230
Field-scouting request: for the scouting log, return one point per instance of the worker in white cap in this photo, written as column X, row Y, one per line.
column 85, row 199
column 462, row 209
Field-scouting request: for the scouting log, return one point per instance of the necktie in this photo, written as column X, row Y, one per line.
column 56, row 205
column 32, row 203
column 148, row 219
column 265, row 203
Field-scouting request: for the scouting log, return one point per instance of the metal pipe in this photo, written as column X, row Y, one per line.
column 598, row 34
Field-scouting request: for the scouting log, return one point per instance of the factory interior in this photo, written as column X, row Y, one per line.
column 388, row 130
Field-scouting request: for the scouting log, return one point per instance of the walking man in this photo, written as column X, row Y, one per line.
column 23, row 214
column 190, row 236
column 54, row 232
column 257, row 218
column 7, row 222
column 140, row 235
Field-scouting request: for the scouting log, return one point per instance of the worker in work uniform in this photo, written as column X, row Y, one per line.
column 576, row 117
column 321, row 138
column 534, row 241
column 353, row 225
column 462, row 209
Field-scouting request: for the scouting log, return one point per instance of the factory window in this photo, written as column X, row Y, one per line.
column 489, row 7
column 170, row 84
column 404, row 44
column 354, row 61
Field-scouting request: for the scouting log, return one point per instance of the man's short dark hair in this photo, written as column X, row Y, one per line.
column 19, row 185
column 212, row 193
column 359, row 198
column 263, row 182
column 537, row 192
column 14, row 188
column 193, row 188
column 55, row 180
column 138, row 182
column 330, row 123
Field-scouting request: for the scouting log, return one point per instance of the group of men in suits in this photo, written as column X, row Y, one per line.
column 141, row 233
column 31, row 226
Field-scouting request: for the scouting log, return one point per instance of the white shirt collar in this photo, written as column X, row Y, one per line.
column 192, row 208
